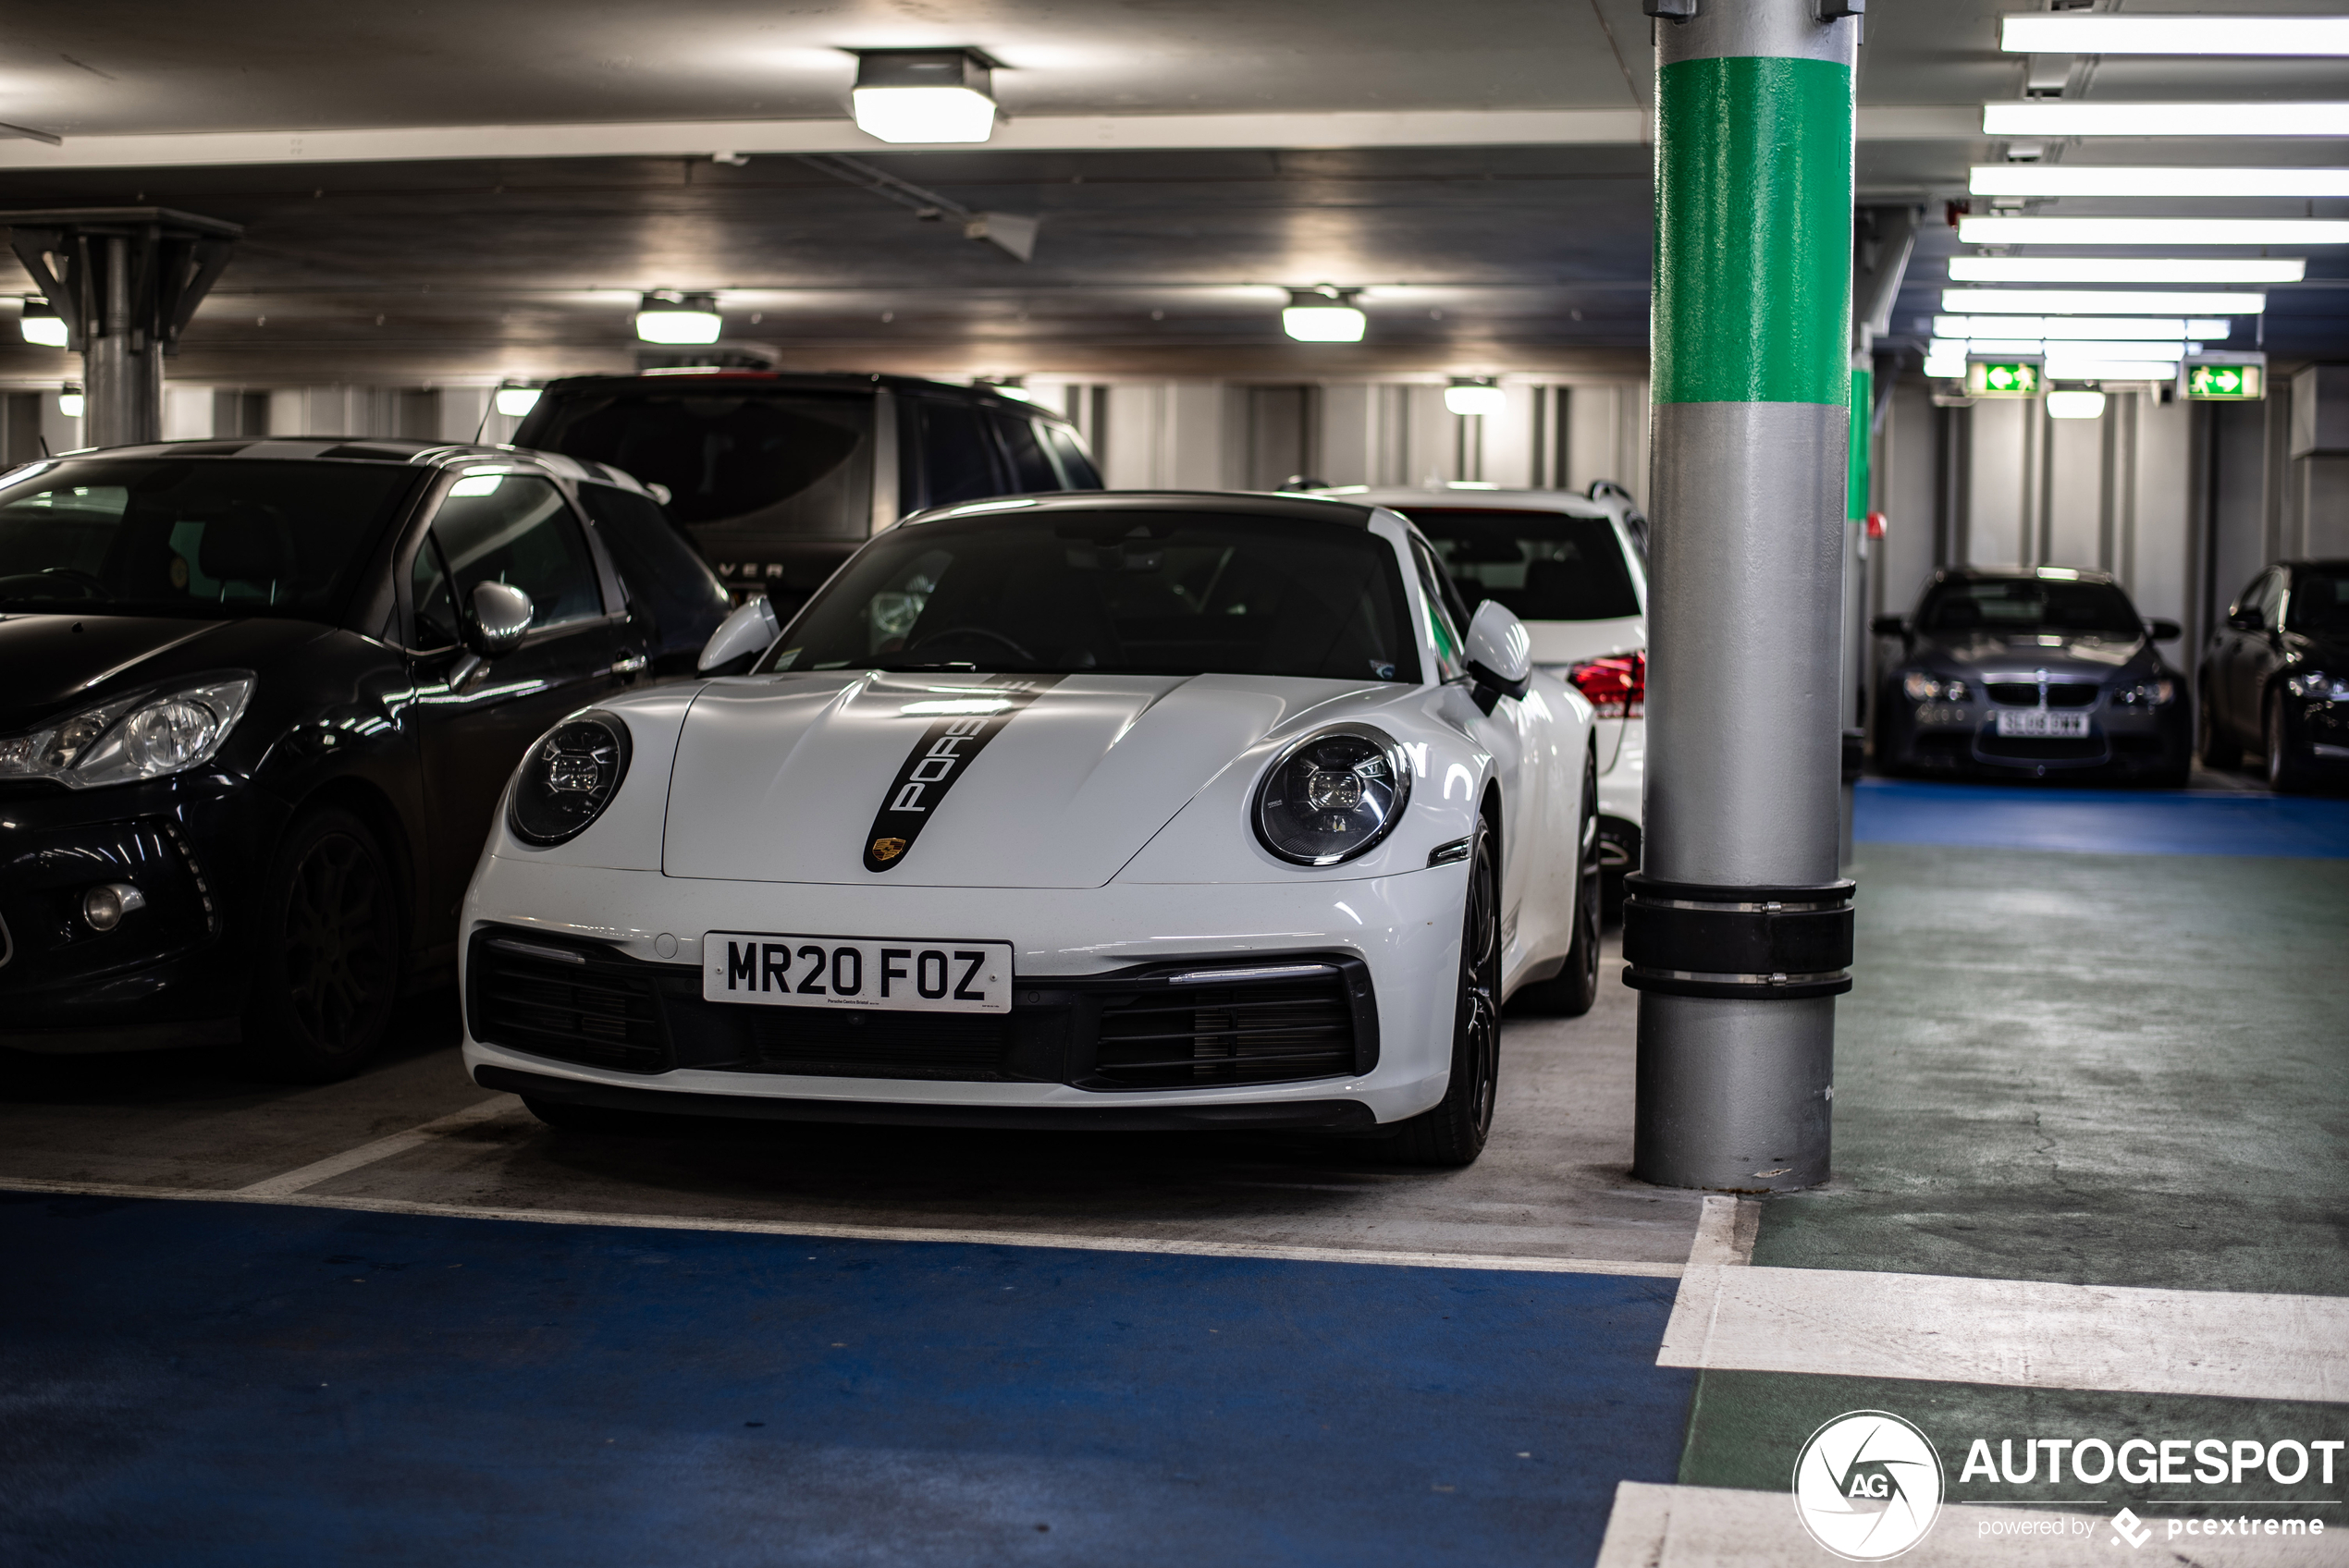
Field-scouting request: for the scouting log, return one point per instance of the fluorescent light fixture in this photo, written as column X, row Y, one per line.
column 2099, row 301
column 41, row 324
column 2073, row 179
column 69, row 402
column 2123, row 269
column 516, row 402
column 2109, row 34
column 1323, row 315
column 1945, row 369
column 1469, row 395
column 1945, row 348
column 2075, row 405
column 2068, row 327
column 924, row 95
column 2004, row 348
column 2112, row 370
column 2120, row 349
column 664, row 317
column 2165, row 119
column 2154, row 231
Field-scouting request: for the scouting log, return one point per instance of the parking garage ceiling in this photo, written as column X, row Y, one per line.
column 1481, row 171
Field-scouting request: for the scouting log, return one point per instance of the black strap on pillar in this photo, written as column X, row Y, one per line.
column 1783, row 943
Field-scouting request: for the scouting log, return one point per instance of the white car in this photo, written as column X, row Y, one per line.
column 1574, row 568
column 1087, row 811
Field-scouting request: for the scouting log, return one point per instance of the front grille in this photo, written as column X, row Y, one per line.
column 2025, row 693
column 2071, row 694
column 1141, row 1028
column 2013, row 693
column 1263, row 1031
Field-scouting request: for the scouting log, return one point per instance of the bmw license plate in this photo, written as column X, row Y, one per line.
column 2040, row 724
column 889, row 973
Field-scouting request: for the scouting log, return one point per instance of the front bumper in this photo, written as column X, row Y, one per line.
column 168, row 975
column 1400, row 935
column 1964, row 738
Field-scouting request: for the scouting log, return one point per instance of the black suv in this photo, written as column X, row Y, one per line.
column 258, row 700
column 779, row 476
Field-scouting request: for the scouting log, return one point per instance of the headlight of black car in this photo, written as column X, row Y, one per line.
column 147, row 736
column 1331, row 796
column 2316, row 683
column 2145, row 694
column 568, row 778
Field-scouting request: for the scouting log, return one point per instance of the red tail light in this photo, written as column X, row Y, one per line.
column 1616, row 686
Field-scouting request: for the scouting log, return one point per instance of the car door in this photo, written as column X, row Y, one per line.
column 472, row 724
column 2250, row 653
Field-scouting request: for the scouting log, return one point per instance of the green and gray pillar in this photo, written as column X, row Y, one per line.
column 1737, row 931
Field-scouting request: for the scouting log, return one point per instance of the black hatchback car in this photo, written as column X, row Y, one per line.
column 2028, row 674
column 258, row 701
column 779, row 476
column 2276, row 678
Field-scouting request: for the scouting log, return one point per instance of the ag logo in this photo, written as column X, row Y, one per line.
column 888, row 849
column 1867, row 1485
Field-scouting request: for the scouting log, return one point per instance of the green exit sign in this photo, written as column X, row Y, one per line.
column 2231, row 382
column 1986, row 378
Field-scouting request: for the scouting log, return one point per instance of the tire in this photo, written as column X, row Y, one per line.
column 2219, row 752
column 1453, row 1133
column 327, row 953
column 2287, row 774
column 1575, row 987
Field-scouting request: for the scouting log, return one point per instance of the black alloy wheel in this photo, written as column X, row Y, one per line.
column 2219, row 750
column 1575, row 987
column 326, row 961
column 1453, row 1133
column 2288, row 772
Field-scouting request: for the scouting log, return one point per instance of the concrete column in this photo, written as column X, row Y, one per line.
column 1751, row 343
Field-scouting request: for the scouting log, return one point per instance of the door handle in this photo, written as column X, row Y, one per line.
column 629, row 663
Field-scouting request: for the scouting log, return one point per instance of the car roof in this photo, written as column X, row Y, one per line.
column 1467, row 497
column 373, row 450
column 1303, row 508
column 755, row 380
column 2023, row 574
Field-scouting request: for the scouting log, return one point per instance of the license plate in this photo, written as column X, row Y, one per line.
column 770, row 969
column 2043, row 725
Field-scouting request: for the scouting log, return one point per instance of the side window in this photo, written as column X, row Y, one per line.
column 957, row 460
column 516, row 529
column 2271, row 599
column 1031, row 469
column 655, row 559
column 435, row 607
column 1443, row 613
column 1078, row 472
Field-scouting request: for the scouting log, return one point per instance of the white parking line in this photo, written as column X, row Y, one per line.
column 382, row 1149
column 812, row 1230
column 2014, row 1333
column 1654, row 1526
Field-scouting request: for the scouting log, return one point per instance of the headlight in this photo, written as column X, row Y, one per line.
column 1924, row 688
column 147, row 736
column 2146, row 694
column 2316, row 683
column 1333, row 795
column 568, row 778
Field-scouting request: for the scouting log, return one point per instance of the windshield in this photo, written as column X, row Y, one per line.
column 2006, row 605
column 193, row 536
column 2319, row 602
column 1121, row 591
column 1544, row 566
column 779, row 461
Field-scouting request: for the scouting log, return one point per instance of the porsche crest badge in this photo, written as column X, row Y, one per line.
column 888, row 849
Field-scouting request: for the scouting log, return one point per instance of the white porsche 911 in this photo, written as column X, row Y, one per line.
column 1123, row 811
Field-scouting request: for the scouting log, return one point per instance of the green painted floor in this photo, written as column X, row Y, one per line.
column 2119, row 1070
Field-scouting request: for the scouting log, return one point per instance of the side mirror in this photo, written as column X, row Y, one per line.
column 2164, row 630
column 2243, row 621
column 751, row 628
column 500, row 618
column 1889, row 626
column 1499, row 652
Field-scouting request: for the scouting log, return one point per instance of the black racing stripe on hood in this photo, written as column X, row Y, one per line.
column 938, row 763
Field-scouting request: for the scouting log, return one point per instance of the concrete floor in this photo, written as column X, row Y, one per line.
column 2085, row 1055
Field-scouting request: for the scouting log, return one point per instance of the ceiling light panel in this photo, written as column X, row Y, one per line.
column 2071, row 179
column 924, row 96
column 2124, row 269
column 2153, row 231
column 2097, row 301
column 2165, row 119
column 2109, row 34
column 2068, row 327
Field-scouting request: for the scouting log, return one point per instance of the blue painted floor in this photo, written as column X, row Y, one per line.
column 2163, row 822
column 244, row 1385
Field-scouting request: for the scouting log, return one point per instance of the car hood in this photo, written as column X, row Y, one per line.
column 53, row 663
column 2068, row 657
column 784, row 780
